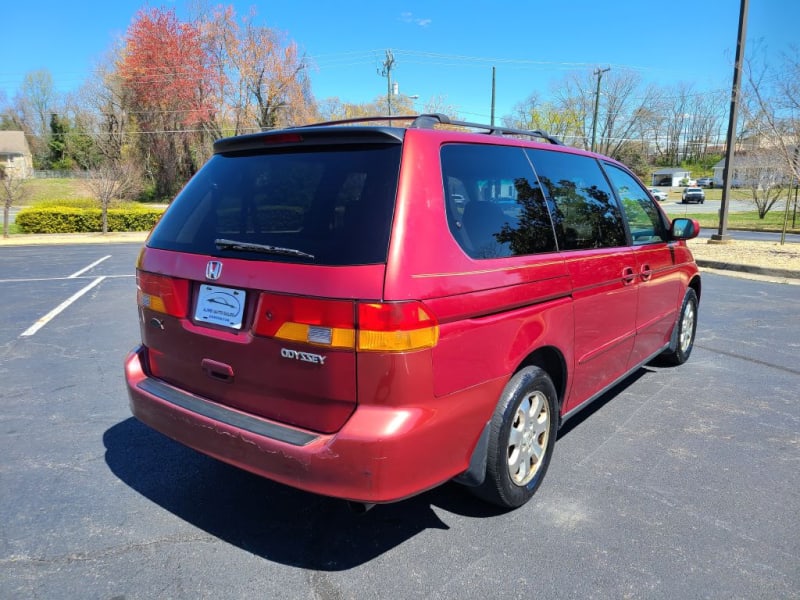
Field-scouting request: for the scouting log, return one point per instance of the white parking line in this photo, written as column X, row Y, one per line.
column 35, row 279
column 53, row 313
column 91, row 266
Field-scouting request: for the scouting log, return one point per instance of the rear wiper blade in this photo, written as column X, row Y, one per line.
column 223, row 244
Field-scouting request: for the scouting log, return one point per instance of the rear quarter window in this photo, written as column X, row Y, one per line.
column 333, row 204
column 495, row 206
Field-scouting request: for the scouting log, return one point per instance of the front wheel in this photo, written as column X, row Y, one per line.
column 521, row 438
column 683, row 338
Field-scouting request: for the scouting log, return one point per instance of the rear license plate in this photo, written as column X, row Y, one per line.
column 220, row 306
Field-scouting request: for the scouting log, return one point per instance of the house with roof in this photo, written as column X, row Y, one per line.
column 673, row 177
column 762, row 168
column 15, row 154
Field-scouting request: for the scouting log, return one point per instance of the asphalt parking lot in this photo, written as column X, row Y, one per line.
column 681, row 483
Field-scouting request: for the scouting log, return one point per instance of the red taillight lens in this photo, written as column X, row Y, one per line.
column 325, row 322
column 396, row 326
column 163, row 294
column 375, row 326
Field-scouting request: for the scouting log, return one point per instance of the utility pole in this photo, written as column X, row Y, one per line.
column 599, row 74
column 722, row 233
column 388, row 64
column 493, row 88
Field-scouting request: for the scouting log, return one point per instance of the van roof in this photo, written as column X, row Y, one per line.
column 383, row 129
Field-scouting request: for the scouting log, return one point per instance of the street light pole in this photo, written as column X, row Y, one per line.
column 722, row 233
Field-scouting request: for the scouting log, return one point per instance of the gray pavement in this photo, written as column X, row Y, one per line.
column 680, row 483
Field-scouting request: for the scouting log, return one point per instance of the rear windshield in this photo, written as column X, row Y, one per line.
column 330, row 206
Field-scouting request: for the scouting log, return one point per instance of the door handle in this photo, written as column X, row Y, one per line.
column 217, row 370
column 645, row 272
column 628, row 275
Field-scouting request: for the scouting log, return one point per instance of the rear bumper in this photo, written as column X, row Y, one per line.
column 382, row 454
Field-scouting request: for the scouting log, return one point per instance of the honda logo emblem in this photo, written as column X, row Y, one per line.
column 213, row 270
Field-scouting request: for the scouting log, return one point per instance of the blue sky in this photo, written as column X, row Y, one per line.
column 441, row 49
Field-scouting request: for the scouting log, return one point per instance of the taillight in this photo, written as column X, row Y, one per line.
column 325, row 322
column 163, row 294
column 396, row 326
column 366, row 326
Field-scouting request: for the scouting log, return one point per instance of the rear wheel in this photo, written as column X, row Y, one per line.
column 522, row 435
column 684, row 335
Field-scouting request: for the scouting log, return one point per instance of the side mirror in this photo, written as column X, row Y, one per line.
column 684, row 229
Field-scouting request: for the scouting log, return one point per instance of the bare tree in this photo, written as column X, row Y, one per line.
column 333, row 109
column 13, row 191
column 574, row 96
column 532, row 114
column 704, row 129
column 649, row 124
column 33, row 105
column 621, row 104
column 104, row 114
column 440, row 104
column 774, row 107
column 618, row 109
column 112, row 180
column 762, row 172
column 261, row 76
column 675, row 108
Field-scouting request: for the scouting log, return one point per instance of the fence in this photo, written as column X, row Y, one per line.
column 61, row 175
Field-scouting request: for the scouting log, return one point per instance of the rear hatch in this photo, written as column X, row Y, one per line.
column 248, row 285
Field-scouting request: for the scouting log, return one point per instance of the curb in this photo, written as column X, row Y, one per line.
column 752, row 269
column 51, row 239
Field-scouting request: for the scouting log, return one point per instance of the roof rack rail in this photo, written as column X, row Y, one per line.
column 373, row 119
column 430, row 120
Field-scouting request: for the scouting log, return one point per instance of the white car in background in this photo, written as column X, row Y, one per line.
column 658, row 194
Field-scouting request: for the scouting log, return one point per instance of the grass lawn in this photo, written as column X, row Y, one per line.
column 53, row 190
column 773, row 221
column 60, row 192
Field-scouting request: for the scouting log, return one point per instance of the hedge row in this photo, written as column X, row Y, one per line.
column 66, row 219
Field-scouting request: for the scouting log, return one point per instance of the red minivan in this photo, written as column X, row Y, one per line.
column 367, row 311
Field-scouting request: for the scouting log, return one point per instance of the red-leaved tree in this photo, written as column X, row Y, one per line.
column 167, row 78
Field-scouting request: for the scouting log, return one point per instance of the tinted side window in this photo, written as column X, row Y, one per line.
column 495, row 206
column 335, row 204
column 586, row 213
column 644, row 219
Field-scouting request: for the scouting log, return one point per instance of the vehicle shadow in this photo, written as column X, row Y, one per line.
column 280, row 523
column 268, row 519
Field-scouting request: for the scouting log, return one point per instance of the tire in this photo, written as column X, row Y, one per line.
column 685, row 329
column 521, row 439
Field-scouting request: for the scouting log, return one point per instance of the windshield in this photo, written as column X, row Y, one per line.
column 329, row 206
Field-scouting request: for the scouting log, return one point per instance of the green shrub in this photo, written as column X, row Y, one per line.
column 69, row 219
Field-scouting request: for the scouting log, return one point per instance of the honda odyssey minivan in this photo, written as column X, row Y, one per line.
column 369, row 310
